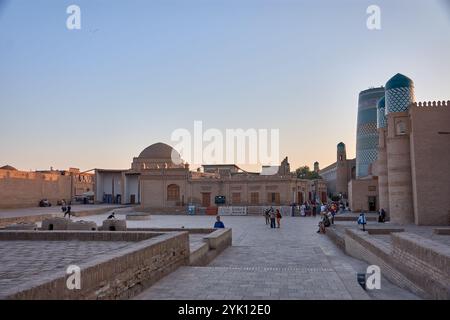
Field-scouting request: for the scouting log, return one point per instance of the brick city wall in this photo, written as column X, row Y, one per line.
column 430, row 163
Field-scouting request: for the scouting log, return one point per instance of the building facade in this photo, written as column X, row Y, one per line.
column 26, row 188
column 156, row 181
column 412, row 169
column 338, row 174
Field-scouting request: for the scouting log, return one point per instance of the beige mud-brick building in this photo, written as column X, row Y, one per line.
column 156, row 181
column 26, row 188
column 413, row 165
column 338, row 174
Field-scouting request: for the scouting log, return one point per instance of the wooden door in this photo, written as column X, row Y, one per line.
column 300, row 197
column 206, row 199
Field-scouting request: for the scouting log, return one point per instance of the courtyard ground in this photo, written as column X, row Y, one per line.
column 293, row 262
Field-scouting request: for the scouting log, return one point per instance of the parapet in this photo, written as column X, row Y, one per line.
column 432, row 104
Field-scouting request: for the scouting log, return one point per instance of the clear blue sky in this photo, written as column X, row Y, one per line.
column 137, row 70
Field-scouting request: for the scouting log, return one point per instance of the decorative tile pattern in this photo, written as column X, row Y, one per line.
column 367, row 134
column 381, row 118
column 399, row 99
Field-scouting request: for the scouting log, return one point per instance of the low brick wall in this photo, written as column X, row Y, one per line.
column 381, row 230
column 190, row 230
column 423, row 261
column 353, row 218
column 362, row 246
column 119, row 275
column 200, row 254
column 336, row 236
column 22, row 235
column 219, row 239
column 214, row 242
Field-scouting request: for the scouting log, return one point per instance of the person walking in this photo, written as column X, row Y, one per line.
column 362, row 220
column 267, row 216
column 68, row 211
column 63, row 206
column 278, row 216
column 272, row 219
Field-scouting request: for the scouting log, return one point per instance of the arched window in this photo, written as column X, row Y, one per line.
column 173, row 192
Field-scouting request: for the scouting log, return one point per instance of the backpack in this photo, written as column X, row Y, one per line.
column 361, row 220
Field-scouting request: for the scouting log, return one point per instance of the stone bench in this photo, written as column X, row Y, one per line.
column 353, row 218
column 82, row 225
column 381, row 230
column 138, row 216
column 55, row 223
column 22, row 226
column 442, row 231
column 114, row 225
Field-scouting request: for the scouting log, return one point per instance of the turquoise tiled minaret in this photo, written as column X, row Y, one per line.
column 399, row 93
column 367, row 134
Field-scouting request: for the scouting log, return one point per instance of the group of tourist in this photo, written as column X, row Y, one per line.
column 273, row 217
column 314, row 208
column 328, row 212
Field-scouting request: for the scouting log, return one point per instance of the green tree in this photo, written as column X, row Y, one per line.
column 306, row 173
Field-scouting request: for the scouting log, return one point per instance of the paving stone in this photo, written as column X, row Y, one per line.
column 293, row 262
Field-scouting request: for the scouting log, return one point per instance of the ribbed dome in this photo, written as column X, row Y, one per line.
column 399, row 81
column 159, row 151
column 8, row 167
column 381, row 104
column 341, row 145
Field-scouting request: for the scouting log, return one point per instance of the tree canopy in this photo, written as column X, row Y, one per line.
column 306, row 173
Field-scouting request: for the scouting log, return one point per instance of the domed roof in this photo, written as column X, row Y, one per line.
column 8, row 167
column 399, row 81
column 160, row 151
column 381, row 104
column 341, row 144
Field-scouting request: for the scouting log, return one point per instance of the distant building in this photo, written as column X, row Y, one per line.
column 155, row 181
column 27, row 188
column 338, row 174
